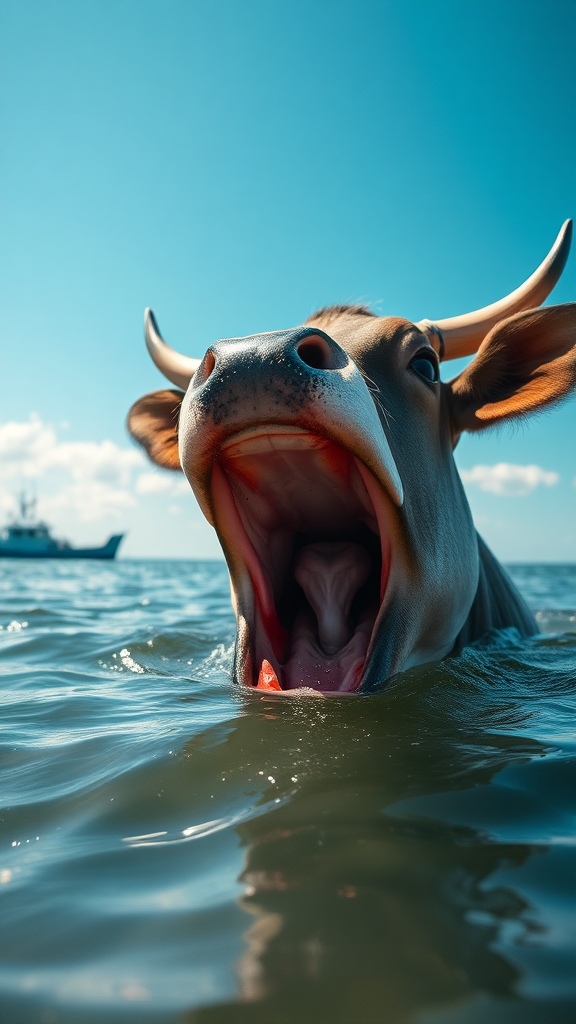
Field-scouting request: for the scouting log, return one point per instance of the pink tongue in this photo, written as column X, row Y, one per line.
column 330, row 575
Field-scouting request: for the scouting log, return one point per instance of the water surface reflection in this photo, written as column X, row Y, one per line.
column 175, row 849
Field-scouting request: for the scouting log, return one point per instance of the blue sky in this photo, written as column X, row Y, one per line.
column 236, row 165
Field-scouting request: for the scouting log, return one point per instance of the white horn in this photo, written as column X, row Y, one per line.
column 462, row 335
column 176, row 368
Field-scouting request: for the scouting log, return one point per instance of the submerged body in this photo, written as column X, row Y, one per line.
column 323, row 456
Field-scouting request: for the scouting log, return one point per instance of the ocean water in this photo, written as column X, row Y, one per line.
column 175, row 849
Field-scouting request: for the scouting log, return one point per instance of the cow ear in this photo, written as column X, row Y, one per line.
column 153, row 423
column 524, row 364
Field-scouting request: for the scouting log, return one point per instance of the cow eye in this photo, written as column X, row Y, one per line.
column 425, row 366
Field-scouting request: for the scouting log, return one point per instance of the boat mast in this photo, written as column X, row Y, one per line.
column 27, row 506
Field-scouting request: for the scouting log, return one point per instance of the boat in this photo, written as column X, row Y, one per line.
column 28, row 537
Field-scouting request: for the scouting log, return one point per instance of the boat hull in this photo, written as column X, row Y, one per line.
column 106, row 553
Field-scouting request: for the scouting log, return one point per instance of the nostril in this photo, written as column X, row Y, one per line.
column 316, row 352
column 206, row 367
column 312, row 354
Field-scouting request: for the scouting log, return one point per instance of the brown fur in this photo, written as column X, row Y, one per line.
column 327, row 314
column 153, row 423
column 525, row 363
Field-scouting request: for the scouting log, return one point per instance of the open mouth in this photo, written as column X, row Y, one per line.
column 305, row 522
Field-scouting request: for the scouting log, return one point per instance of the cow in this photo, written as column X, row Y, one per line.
column 323, row 457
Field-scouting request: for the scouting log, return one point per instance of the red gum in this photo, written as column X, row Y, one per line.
column 223, row 500
column 226, row 506
column 336, row 458
column 376, row 499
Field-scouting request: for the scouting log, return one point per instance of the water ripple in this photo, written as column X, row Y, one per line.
column 176, row 849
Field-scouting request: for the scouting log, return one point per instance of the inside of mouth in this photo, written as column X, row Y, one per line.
column 301, row 517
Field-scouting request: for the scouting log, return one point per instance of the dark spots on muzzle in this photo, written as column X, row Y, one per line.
column 279, row 372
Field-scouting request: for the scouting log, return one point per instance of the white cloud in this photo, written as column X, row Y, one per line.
column 88, row 460
column 153, row 483
column 80, row 480
column 88, row 480
column 508, row 480
column 87, row 501
column 31, row 449
column 162, row 483
column 25, row 447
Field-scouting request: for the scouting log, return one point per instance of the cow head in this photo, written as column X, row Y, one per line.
column 323, row 457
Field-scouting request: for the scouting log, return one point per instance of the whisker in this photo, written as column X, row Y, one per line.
column 375, row 392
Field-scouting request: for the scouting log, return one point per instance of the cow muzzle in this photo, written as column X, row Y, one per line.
column 284, row 449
